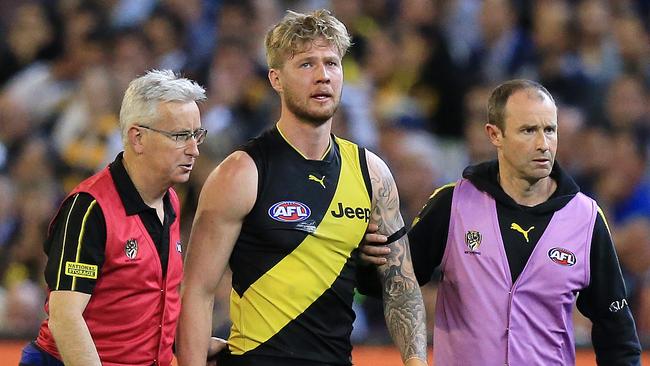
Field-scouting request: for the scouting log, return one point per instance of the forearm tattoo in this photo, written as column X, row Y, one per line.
column 403, row 305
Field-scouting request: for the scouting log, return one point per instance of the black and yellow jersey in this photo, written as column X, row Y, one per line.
column 294, row 261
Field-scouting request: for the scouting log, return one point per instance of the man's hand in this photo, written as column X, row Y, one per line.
column 415, row 362
column 372, row 249
column 216, row 345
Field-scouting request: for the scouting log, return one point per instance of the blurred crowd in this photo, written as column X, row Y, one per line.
column 417, row 80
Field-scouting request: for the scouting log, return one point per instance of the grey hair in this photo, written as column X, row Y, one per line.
column 145, row 93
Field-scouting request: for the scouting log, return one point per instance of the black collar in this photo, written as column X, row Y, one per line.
column 131, row 199
column 484, row 177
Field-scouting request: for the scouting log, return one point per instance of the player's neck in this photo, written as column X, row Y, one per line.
column 311, row 141
column 525, row 192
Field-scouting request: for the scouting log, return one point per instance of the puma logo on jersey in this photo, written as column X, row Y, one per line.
column 516, row 227
column 318, row 180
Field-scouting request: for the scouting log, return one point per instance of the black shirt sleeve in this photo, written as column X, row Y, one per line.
column 427, row 240
column 75, row 245
column 604, row 302
column 428, row 236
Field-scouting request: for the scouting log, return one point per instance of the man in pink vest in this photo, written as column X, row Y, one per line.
column 114, row 252
column 517, row 244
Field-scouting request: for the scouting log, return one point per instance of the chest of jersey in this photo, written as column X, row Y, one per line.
column 293, row 261
column 299, row 199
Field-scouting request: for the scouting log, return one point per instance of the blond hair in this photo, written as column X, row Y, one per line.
column 295, row 30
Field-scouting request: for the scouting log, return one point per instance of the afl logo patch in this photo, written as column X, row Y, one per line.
column 562, row 256
column 131, row 248
column 289, row 211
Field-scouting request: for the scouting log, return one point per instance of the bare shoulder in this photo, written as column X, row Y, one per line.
column 383, row 183
column 385, row 199
column 233, row 182
column 376, row 166
column 237, row 165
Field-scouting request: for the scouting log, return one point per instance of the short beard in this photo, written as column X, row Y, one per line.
column 313, row 119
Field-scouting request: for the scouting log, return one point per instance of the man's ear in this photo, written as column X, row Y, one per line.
column 134, row 138
column 274, row 78
column 494, row 134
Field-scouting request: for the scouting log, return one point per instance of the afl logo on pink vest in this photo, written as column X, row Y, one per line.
column 562, row 256
column 289, row 211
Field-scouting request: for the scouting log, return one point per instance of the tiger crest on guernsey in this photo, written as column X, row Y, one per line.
column 131, row 248
column 473, row 240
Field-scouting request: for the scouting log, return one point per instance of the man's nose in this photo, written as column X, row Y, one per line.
column 322, row 75
column 542, row 141
column 192, row 147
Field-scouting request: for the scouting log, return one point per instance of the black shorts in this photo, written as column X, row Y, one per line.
column 225, row 358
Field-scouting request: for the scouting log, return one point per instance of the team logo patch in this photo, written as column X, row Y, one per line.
column 320, row 180
column 289, row 211
column 562, row 256
column 179, row 247
column 514, row 226
column 473, row 240
column 131, row 248
column 362, row 213
column 617, row 305
column 76, row 269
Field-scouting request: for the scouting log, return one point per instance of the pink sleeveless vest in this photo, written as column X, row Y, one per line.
column 482, row 318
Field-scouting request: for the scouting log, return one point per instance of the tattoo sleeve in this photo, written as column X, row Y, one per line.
column 403, row 305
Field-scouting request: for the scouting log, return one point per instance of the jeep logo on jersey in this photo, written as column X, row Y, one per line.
column 289, row 211
column 131, row 248
column 562, row 256
column 351, row 213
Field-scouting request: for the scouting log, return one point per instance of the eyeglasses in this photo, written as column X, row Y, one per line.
column 182, row 139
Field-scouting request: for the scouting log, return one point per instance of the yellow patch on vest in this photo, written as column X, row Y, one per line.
column 76, row 269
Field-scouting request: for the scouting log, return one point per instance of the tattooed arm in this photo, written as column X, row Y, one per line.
column 403, row 306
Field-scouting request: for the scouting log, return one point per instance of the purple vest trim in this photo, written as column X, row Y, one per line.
column 482, row 318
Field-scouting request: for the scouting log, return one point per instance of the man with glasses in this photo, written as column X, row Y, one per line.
column 181, row 138
column 114, row 263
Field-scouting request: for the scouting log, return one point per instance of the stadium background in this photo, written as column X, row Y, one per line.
column 417, row 81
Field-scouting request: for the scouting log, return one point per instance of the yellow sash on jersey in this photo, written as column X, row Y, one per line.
column 293, row 284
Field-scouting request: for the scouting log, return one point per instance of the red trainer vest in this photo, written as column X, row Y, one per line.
column 133, row 310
